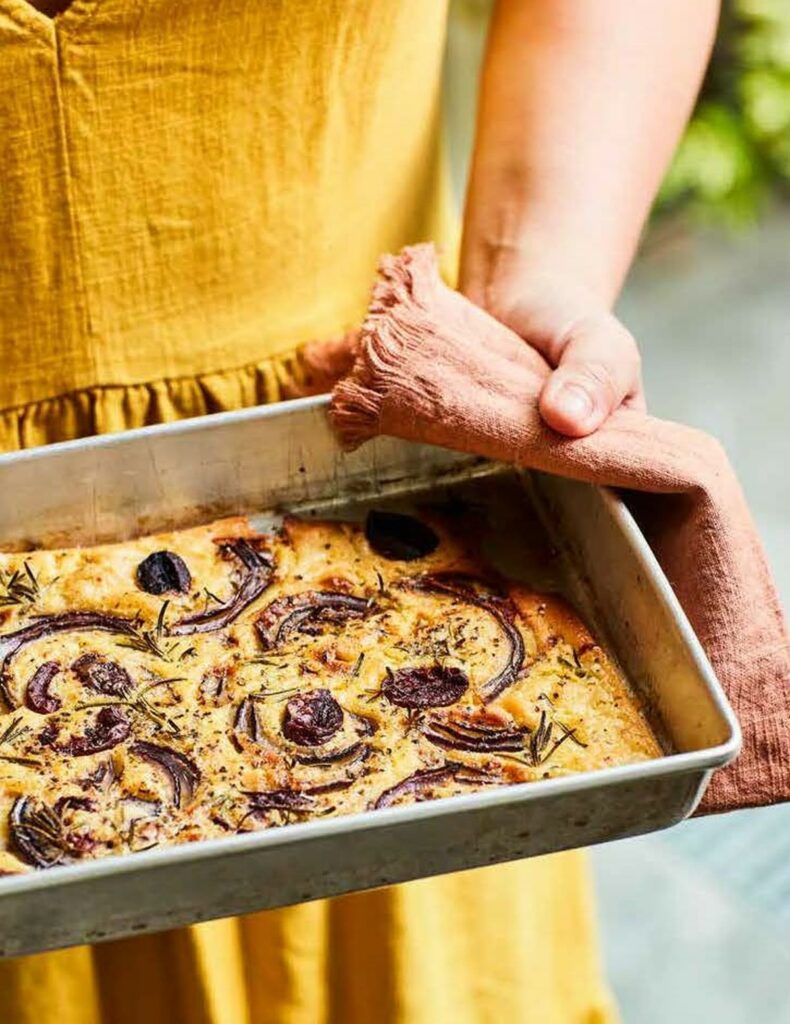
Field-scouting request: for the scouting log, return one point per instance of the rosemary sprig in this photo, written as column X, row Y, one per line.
column 574, row 666
column 540, row 738
column 138, row 701
column 358, row 665
column 540, row 748
column 571, row 734
column 264, row 694
column 375, row 692
column 279, row 665
column 19, row 587
column 29, row 762
column 13, row 730
column 152, row 641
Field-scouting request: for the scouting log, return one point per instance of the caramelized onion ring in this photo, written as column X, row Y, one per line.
column 36, row 833
column 259, row 575
column 295, row 611
column 47, row 625
column 183, row 772
column 473, row 734
column 427, row 778
column 110, row 727
column 460, row 588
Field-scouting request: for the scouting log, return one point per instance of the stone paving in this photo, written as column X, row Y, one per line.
column 695, row 919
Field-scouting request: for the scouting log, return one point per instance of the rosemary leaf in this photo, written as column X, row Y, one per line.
column 27, row 761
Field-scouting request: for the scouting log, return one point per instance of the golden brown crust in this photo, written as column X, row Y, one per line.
column 550, row 618
column 296, row 674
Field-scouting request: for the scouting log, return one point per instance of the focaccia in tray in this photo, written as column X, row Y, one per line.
column 216, row 680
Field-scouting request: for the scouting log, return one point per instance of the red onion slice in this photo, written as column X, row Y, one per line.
column 298, row 612
column 48, row 625
column 474, row 735
column 422, row 782
column 183, row 772
column 461, row 589
column 329, row 787
column 260, row 572
column 36, row 833
column 450, row 742
column 349, row 755
column 298, row 801
column 279, row 800
column 111, row 727
column 37, row 695
column 73, row 803
column 246, row 720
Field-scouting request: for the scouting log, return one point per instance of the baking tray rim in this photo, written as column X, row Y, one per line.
column 185, row 426
column 700, row 761
column 206, row 849
column 628, row 524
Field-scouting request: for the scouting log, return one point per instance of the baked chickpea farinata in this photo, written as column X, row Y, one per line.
column 214, row 681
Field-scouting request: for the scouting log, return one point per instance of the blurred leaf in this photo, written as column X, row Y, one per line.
column 735, row 155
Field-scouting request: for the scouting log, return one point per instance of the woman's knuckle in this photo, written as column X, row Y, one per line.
column 601, row 377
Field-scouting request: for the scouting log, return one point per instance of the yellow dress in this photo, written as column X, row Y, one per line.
column 188, row 190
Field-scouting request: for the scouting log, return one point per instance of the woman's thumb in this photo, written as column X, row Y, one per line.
column 598, row 369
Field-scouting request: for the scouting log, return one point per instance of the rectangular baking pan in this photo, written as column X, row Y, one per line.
column 551, row 532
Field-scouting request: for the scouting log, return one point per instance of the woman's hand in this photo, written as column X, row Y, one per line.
column 596, row 360
column 581, row 105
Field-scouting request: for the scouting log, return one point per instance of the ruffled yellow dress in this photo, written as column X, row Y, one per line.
column 188, row 190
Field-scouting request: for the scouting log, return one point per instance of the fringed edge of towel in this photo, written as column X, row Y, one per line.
column 393, row 328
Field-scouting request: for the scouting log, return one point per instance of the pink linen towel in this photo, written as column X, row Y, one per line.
column 433, row 367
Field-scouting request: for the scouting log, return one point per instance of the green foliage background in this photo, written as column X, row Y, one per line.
column 735, row 156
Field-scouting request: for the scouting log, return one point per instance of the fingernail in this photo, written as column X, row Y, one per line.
column 574, row 402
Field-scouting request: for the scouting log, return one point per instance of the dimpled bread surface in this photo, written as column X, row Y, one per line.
column 287, row 676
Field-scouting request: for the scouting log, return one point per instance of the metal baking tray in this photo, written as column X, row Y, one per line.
column 549, row 531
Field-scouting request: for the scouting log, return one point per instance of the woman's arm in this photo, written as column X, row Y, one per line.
column 581, row 105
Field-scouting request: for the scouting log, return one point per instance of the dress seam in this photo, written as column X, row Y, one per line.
column 180, row 378
column 63, row 126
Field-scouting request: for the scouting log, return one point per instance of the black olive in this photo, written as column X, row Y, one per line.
column 399, row 537
column 163, row 572
column 430, row 686
column 312, row 718
column 109, row 728
column 102, row 675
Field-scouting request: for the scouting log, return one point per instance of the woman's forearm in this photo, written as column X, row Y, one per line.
column 582, row 103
